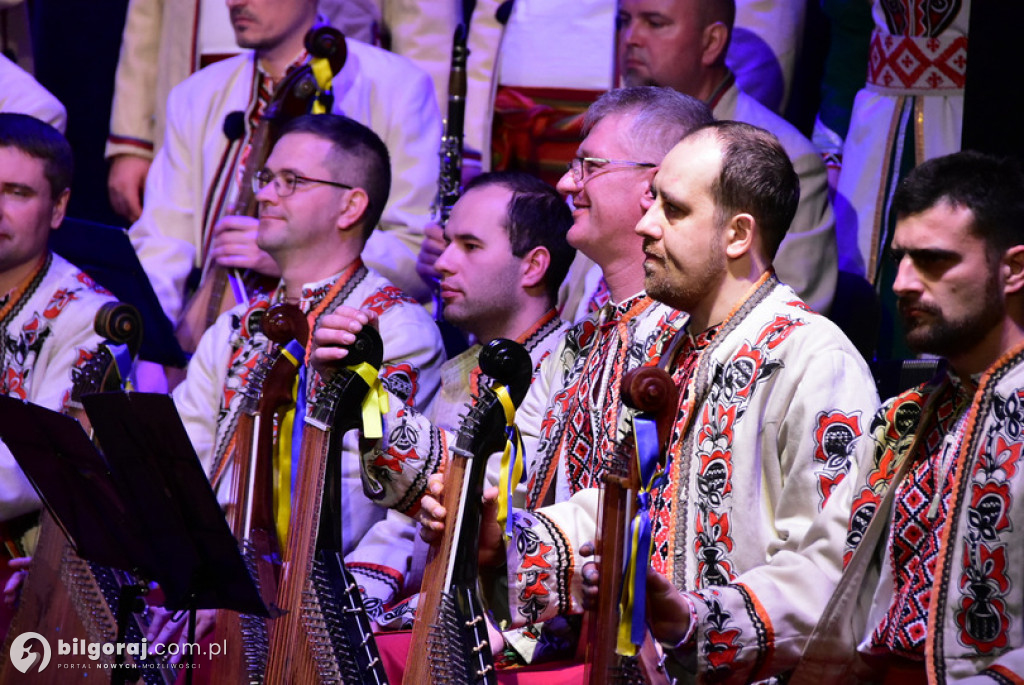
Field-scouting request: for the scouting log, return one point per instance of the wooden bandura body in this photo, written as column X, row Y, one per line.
column 251, row 517
column 324, row 635
column 65, row 597
column 649, row 390
column 450, row 643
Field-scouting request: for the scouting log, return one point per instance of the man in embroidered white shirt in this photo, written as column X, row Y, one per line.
column 931, row 589
column 505, row 258
column 321, row 194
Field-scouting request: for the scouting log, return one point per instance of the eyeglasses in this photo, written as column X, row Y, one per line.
column 285, row 181
column 581, row 167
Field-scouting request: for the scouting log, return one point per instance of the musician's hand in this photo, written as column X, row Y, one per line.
column 492, row 544
column 163, row 629
column 495, row 637
column 431, row 248
column 431, row 514
column 491, row 551
column 126, row 182
column 668, row 614
column 234, row 246
column 333, row 332
column 590, row 574
column 13, row 587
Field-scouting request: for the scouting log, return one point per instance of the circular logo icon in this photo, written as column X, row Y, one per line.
column 26, row 659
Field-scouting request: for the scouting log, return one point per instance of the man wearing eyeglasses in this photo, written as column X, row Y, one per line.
column 320, row 196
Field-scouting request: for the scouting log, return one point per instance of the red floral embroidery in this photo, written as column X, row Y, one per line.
column 58, row 303
column 14, row 384
column 386, row 298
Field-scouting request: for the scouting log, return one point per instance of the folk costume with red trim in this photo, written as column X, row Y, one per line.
column 773, row 401
column 395, row 538
column 209, row 398
column 943, row 588
column 46, row 337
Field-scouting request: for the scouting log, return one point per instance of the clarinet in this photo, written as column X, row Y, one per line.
column 449, row 182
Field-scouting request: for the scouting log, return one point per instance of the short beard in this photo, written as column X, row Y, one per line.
column 633, row 80
column 687, row 297
column 947, row 338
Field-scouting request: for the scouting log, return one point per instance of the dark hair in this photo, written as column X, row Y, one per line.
column 756, row 178
column 40, row 140
column 991, row 187
column 537, row 217
column 718, row 10
column 662, row 117
column 360, row 158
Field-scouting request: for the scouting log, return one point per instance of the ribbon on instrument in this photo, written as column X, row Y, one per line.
column 512, row 459
column 289, row 442
column 375, row 404
column 633, row 600
column 122, row 365
column 321, row 68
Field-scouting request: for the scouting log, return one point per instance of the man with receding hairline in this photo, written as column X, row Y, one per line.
column 681, row 44
column 772, row 396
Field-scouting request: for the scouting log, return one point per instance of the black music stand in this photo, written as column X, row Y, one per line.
column 144, row 506
column 106, row 254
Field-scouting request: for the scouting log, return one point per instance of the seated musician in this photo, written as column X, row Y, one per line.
column 565, row 411
column 47, row 306
column 320, row 196
column 499, row 274
column 773, row 399
column 211, row 117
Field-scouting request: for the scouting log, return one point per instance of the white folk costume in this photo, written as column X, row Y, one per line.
column 568, row 419
column 910, row 110
column 161, row 46
column 209, row 398
column 20, row 93
column 48, row 335
column 807, row 260
column 764, row 49
column 771, row 402
column 388, row 563
column 556, row 414
column 945, row 592
column 193, row 182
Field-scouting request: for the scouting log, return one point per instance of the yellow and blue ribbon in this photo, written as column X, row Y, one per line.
column 375, row 404
column 289, row 442
column 321, row 69
column 512, row 461
column 633, row 599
